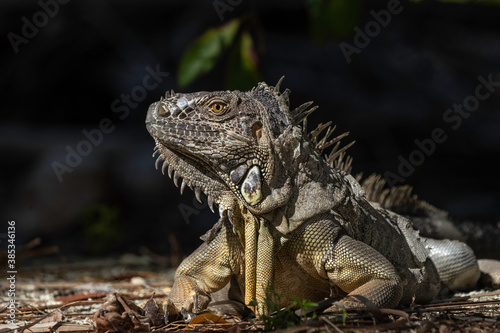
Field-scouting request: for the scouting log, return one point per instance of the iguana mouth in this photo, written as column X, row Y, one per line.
column 248, row 182
column 184, row 171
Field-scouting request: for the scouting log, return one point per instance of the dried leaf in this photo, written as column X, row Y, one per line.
column 208, row 318
column 118, row 314
column 55, row 316
column 58, row 327
column 78, row 297
column 235, row 329
column 154, row 312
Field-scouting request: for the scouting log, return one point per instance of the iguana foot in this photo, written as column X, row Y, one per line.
column 490, row 271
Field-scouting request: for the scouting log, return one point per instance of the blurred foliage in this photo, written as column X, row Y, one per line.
column 102, row 227
column 204, row 53
column 234, row 41
column 232, row 38
column 242, row 70
column 327, row 19
column 332, row 18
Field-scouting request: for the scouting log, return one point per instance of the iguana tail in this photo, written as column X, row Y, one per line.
column 431, row 221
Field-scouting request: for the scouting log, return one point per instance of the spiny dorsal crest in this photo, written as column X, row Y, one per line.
column 296, row 116
column 342, row 162
column 337, row 157
column 300, row 113
column 170, row 93
column 394, row 198
column 270, row 95
column 283, row 98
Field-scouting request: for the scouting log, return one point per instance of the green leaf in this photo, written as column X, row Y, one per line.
column 332, row 18
column 344, row 315
column 201, row 56
column 242, row 68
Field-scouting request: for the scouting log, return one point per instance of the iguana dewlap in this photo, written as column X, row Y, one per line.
column 291, row 220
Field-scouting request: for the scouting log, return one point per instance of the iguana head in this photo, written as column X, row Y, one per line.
column 221, row 143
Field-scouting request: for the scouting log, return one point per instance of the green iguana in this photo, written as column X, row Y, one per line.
column 291, row 219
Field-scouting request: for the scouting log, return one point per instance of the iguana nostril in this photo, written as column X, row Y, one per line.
column 161, row 110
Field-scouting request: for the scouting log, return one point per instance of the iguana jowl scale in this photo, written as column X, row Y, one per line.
column 290, row 219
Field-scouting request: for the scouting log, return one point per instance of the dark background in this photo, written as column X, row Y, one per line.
column 65, row 79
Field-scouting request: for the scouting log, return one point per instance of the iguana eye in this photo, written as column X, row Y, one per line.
column 217, row 107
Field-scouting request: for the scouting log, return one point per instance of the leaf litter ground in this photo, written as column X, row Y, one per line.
column 66, row 298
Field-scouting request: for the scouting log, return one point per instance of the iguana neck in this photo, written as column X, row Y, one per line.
column 338, row 193
column 302, row 172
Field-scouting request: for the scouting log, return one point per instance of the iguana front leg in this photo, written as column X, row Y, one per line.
column 205, row 271
column 331, row 263
column 364, row 274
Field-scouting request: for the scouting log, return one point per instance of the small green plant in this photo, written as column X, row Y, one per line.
column 303, row 305
column 279, row 317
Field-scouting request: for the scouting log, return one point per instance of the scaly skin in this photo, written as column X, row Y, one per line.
column 289, row 220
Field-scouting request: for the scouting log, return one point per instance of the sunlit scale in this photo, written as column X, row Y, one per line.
column 238, row 173
column 182, row 103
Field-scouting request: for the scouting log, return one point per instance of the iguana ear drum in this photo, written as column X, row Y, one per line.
column 257, row 130
column 251, row 188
